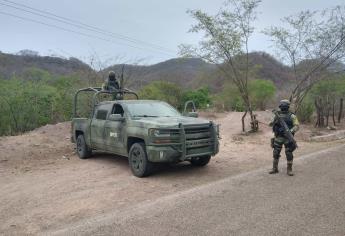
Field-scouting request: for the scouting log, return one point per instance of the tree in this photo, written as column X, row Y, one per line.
column 201, row 97
column 162, row 90
column 26, row 104
column 260, row 92
column 229, row 99
column 66, row 87
column 311, row 42
column 225, row 43
column 326, row 94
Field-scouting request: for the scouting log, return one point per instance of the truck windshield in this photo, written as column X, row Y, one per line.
column 153, row 109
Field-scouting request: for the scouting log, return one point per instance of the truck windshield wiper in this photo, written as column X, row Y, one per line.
column 144, row 116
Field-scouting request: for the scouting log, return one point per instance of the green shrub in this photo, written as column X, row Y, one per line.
column 162, row 90
column 305, row 111
column 261, row 92
column 26, row 104
column 201, row 97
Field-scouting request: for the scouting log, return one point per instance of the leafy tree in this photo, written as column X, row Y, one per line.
column 312, row 42
column 226, row 42
column 229, row 99
column 27, row 104
column 261, row 92
column 325, row 95
column 201, row 97
column 35, row 74
column 306, row 110
column 161, row 90
column 66, row 87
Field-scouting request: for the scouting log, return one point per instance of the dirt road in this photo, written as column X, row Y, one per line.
column 44, row 186
column 253, row 203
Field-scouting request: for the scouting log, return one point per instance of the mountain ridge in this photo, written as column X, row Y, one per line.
column 188, row 73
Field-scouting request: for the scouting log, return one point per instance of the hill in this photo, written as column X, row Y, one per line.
column 19, row 64
column 270, row 68
column 194, row 72
column 182, row 71
column 186, row 72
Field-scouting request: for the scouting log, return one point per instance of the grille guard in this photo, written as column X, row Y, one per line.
column 183, row 142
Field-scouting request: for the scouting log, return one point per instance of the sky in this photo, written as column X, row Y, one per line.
column 134, row 31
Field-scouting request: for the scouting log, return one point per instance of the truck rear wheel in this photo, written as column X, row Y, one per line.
column 138, row 161
column 82, row 149
column 200, row 161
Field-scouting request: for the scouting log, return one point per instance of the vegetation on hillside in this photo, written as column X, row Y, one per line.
column 28, row 104
column 261, row 92
column 38, row 98
column 175, row 94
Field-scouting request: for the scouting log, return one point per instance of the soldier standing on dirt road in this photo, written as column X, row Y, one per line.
column 280, row 139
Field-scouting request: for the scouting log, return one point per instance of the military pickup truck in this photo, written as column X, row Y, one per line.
column 145, row 131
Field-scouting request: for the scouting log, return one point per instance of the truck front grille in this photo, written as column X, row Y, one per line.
column 198, row 139
column 197, row 133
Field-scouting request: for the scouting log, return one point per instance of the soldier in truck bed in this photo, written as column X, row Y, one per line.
column 279, row 138
column 111, row 83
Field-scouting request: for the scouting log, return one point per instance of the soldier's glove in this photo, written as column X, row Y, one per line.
column 292, row 131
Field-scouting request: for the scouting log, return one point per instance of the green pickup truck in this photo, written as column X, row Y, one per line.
column 145, row 131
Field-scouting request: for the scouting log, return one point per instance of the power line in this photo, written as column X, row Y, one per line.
column 73, row 31
column 79, row 24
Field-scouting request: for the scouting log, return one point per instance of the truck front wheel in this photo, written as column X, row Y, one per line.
column 200, row 161
column 138, row 161
column 82, row 149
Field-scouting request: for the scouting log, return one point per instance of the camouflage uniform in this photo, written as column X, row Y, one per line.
column 279, row 139
column 111, row 84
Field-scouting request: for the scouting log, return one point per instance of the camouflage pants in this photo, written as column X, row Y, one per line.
column 277, row 145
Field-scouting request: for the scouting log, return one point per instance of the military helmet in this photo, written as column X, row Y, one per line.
column 111, row 75
column 284, row 105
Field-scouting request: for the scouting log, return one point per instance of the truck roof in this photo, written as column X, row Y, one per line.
column 128, row 102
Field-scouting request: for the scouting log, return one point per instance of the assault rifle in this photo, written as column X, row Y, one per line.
column 287, row 132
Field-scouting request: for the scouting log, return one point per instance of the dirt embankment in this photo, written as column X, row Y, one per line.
column 44, row 186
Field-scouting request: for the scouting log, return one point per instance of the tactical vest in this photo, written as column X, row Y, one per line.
column 112, row 85
column 277, row 128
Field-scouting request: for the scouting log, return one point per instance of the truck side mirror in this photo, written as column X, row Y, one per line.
column 116, row 117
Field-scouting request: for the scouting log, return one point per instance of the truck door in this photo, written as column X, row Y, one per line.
column 97, row 128
column 115, row 131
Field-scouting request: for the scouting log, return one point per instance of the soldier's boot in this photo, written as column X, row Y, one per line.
column 275, row 167
column 289, row 169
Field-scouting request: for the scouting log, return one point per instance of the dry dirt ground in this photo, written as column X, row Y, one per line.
column 44, row 186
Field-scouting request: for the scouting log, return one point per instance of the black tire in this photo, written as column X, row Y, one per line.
column 83, row 150
column 138, row 161
column 200, row 161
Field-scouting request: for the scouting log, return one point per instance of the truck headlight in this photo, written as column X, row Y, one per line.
column 159, row 133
